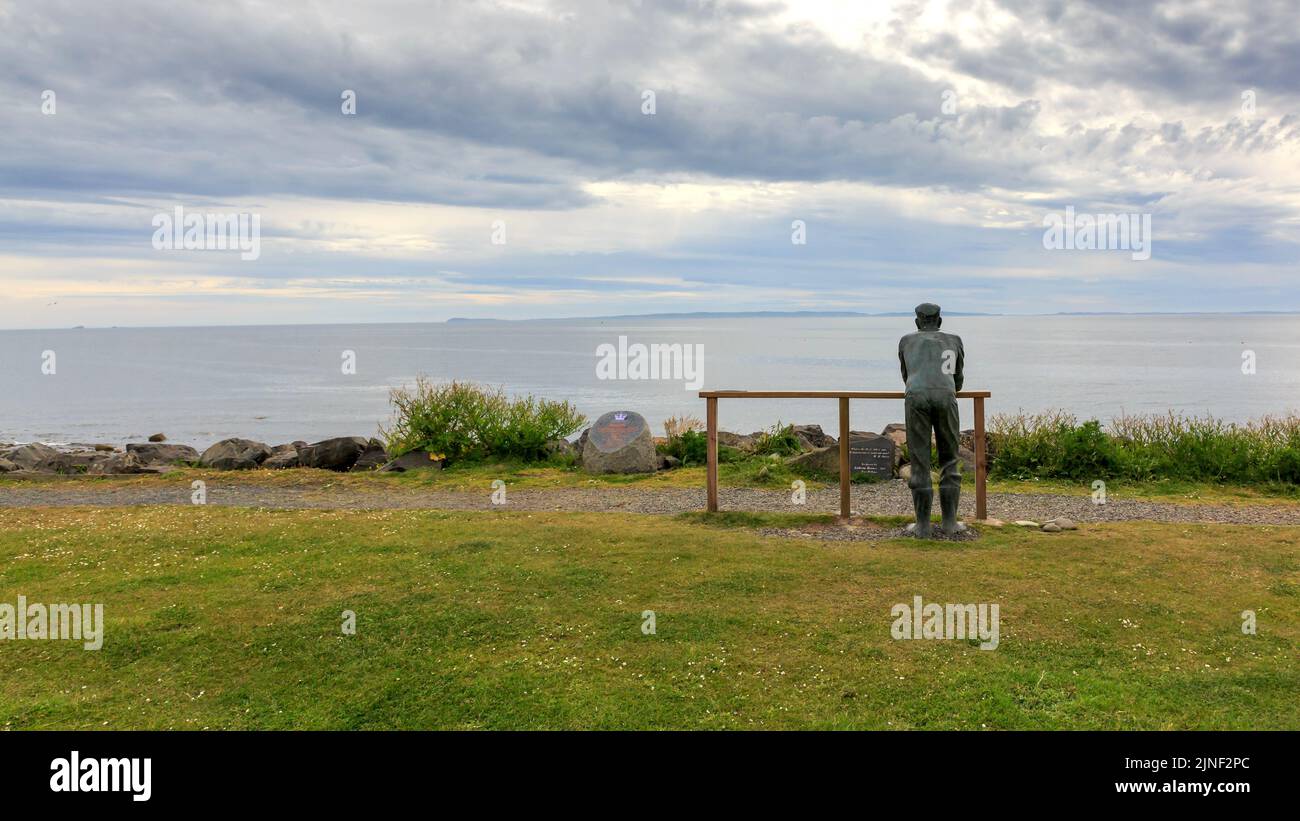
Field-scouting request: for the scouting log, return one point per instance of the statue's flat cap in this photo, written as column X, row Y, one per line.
column 927, row 310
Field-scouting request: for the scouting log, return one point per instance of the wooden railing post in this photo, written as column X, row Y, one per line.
column 712, row 459
column 981, row 464
column 844, row 457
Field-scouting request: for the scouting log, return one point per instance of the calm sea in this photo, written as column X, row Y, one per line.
column 281, row 383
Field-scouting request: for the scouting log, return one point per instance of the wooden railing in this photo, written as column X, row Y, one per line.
column 712, row 397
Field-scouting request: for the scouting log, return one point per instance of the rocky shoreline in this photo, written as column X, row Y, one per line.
column 819, row 452
column 344, row 453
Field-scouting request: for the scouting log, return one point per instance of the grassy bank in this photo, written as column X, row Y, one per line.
column 477, row 477
column 1057, row 445
column 230, row 618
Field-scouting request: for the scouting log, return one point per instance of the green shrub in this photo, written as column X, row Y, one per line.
column 1087, row 452
column 689, row 446
column 461, row 420
column 1286, row 467
column 779, row 440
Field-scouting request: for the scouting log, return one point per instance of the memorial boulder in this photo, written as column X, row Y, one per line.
column 620, row 442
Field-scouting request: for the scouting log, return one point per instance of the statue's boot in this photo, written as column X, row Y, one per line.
column 948, row 498
column 922, row 501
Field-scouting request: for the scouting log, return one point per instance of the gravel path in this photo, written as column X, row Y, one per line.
column 886, row 498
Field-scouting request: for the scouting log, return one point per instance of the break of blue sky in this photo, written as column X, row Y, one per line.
column 531, row 115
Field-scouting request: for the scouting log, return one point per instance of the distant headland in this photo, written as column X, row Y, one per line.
column 716, row 315
column 841, row 314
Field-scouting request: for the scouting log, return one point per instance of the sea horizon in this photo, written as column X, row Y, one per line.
column 657, row 315
column 281, row 383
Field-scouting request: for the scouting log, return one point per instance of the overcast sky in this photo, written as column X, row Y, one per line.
column 526, row 121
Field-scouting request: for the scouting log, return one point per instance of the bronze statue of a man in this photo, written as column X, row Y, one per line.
column 932, row 370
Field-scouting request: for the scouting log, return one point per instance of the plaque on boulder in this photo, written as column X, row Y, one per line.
column 620, row 442
column 872, row 455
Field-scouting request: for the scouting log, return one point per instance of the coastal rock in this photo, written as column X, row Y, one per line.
column 1063, row 523
column 105, row 448
column 8, row 467
column 234, row 454
column 158, row 437
column 117, row 463
column 156, row 454
column 372, row 458
column 80, row 461
column 340, row 453
column 738, row 441
column 37, row 457
column 671, row 462
column 823, row 460
column 620, row 442
column 282, row 456
column 897, row 431
column 1051, row 527
column 811, row 437
column 560, row 447
column 415, row 460
column 967, row 440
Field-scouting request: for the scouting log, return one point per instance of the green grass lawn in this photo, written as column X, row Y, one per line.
column 230, row 618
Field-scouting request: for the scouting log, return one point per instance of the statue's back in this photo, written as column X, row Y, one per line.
column 924, row 354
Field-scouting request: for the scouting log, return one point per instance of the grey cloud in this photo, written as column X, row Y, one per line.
column 490, row 106
column 465, row 105
column 495, row 106
column 1185, row 51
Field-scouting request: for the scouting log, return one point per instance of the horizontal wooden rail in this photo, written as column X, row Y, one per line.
column 711, row 399
column 826, row 394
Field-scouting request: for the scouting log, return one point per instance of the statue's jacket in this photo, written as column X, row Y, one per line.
column 932, row 363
